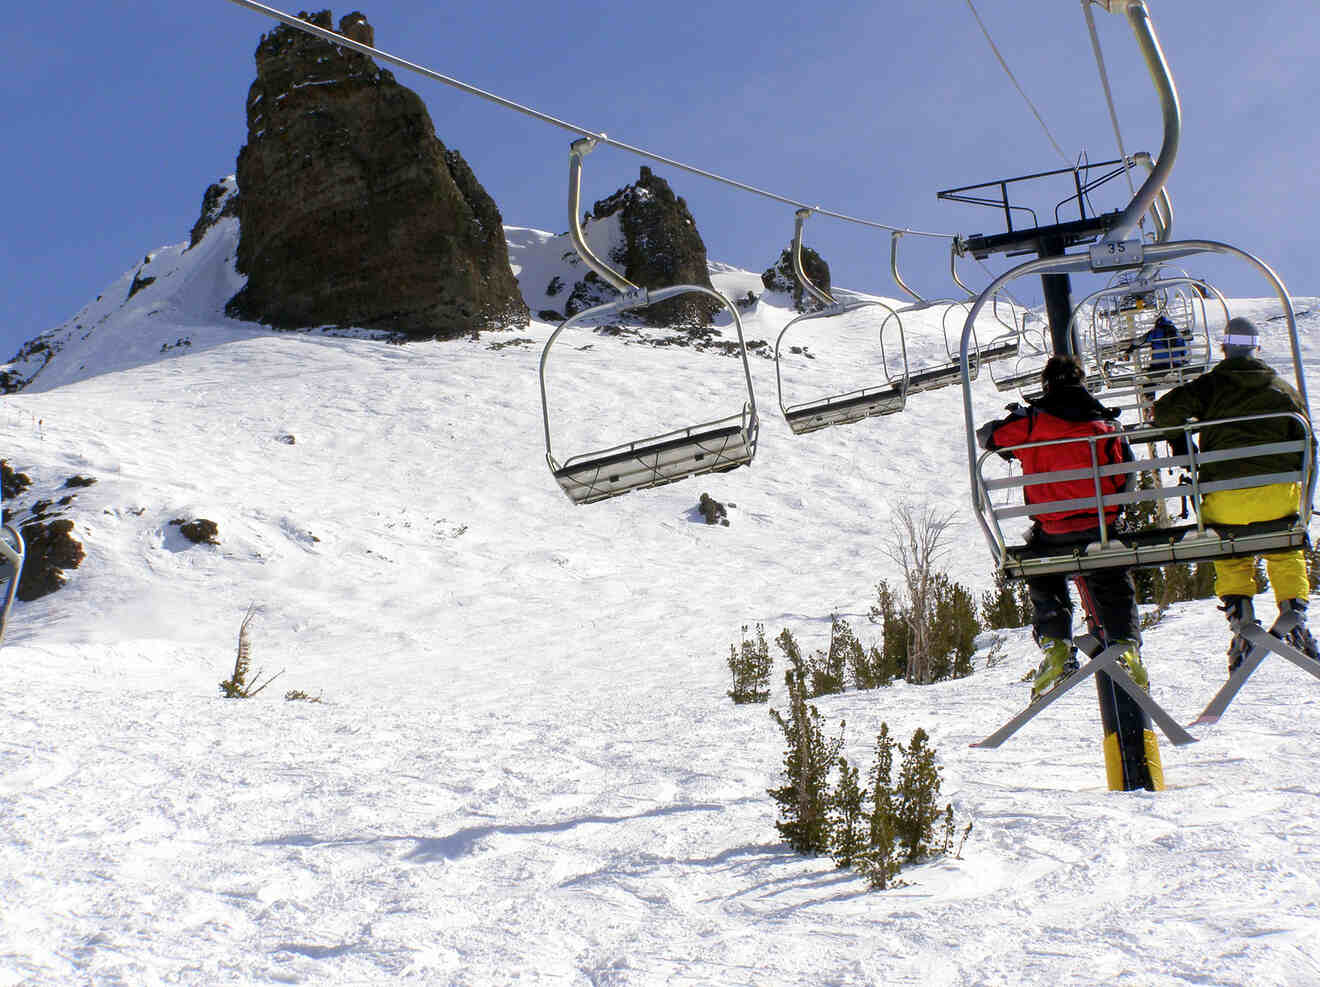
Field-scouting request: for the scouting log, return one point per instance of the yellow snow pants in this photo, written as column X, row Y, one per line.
column 1286, row 570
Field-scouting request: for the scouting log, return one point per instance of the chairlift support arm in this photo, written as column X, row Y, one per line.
column 1149, row 43
column 819, row 294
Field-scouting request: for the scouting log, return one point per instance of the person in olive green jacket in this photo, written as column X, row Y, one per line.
column 1239, row 385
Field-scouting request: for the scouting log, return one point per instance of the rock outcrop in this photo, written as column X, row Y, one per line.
column 351, row 210
column 661, row 248
column 781, row 278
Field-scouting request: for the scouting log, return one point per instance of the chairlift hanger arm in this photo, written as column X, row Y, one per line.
column 1149, row 43
column 822, row 296
column 580, row 148
column 894, row 237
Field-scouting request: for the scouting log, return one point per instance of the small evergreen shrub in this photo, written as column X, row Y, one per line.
column 948, row 631
column 803, row 809
column 1007, row 605
column 750, row 665
column 849, row 833
column 879, row 863
column 875, row 829
column 953, row 629
column 894, row 630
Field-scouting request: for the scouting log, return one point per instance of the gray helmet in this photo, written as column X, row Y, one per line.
column 1240, row 337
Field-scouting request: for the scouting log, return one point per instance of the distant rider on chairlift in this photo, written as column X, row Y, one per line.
column 1168, row 346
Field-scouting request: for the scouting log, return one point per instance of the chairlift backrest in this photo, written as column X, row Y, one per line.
column 1194, row 542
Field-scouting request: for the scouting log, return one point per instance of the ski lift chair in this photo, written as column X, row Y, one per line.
column 714, row 446
column 1198, row 542
column 12, row 553
column 852, row 406
column 1185, row 309
column 1193, row 542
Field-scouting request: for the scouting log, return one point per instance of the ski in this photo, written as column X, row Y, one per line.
column 1107, row 661
column 1262, row 643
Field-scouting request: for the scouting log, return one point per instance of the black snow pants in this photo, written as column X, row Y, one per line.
column 1112, row 590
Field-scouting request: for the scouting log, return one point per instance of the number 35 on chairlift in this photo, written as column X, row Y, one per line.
column 1117, row 254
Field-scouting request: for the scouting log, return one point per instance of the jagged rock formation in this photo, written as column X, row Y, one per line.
column 351, row 210
column 781, row 278
column 661, row 248
column 218, row 202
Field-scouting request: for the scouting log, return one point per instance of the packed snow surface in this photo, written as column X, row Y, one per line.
column 524, row 767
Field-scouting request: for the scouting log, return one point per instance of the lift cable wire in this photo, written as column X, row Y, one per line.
column 1017, row 85
column 343, row 42
column 1109, row 94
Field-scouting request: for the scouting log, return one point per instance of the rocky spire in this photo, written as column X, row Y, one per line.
column 352, row 211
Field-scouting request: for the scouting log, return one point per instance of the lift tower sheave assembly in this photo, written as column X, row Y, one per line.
column 1132, row 755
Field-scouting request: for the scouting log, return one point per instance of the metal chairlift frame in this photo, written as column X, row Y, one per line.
column 12, row 554
column 1198, row 357
column 938, row 375
column 853, row 406
column 1001, row 347
column 713, row 446
column 1160, row 546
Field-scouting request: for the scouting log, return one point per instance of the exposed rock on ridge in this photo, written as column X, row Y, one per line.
column 782, row 278
column 352, row 211
column 661, row 248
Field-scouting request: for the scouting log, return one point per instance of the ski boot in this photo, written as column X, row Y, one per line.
column 1299, row 637
column 1059, row 662
column 1240, row 611
column 1131, row 660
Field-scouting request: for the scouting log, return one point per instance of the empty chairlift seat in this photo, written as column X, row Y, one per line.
column 713, row 446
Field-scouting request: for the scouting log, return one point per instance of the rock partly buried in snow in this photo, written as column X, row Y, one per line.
column 351, row 210
column 661, row 248
column 199, row 531
column 782, row 278
column 50, row 550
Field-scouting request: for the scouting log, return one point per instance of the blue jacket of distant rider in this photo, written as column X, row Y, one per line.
column 1168, row 346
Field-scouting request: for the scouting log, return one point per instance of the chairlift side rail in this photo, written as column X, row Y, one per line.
column 896, row 315
column 13, row 555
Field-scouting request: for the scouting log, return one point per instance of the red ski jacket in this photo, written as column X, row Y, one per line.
column 1067, row 412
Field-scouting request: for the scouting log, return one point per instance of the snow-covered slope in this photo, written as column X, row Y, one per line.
column 525, row 767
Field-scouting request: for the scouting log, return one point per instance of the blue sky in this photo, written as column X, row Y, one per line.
column 120, row 117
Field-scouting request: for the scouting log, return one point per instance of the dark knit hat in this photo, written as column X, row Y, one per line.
column 1061, row 370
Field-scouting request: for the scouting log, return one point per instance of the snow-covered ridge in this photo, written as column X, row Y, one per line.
column 524, row 766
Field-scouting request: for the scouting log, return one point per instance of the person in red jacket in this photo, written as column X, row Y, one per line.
column 1068, row 410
